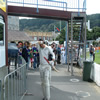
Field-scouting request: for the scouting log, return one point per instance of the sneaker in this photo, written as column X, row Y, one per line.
column 32, row 68
column 43, row 99
column 47, row 99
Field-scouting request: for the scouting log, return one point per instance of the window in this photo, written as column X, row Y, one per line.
column 1, row 33
column 35, row 38
column 51, row 38
column 43, row 38
column 47, row 38
column 40, row 38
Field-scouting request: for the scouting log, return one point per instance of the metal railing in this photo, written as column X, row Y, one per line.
column 0, row 88
column 15, row 84
column 69, row 5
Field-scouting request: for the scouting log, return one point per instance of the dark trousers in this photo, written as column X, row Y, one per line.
column 93, row 56
column 38, row 61
column 35, row 62
column 58, row 59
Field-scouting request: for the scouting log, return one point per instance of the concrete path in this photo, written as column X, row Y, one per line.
column 62, row 88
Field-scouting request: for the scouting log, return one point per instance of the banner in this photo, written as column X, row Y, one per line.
column 3, row 5
column 97, row 48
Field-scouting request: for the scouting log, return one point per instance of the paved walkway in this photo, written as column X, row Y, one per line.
column 62, row 88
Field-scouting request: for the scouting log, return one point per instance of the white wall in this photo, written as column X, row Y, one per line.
column 2, row 48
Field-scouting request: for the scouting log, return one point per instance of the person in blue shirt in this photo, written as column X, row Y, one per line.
column 35, row 55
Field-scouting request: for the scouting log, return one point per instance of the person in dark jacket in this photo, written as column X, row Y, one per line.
column 59, row 54
column 25, row 54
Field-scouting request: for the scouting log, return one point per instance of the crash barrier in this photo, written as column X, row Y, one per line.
column 97, row 48
column 95, row 74
column 15, row 84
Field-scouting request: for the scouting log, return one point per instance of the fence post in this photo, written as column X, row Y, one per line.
column 0, row 88
column 66, row 6
column 23, row 3
column 37, row 7
column 66, row 36
column 78, row 7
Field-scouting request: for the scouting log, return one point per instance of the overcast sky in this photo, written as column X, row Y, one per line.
column 93, row 6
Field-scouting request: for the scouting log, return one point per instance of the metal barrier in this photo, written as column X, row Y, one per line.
column 69, row 5
column 15, row 84
column 0, row 88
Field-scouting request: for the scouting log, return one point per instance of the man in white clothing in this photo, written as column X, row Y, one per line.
column 45, row 68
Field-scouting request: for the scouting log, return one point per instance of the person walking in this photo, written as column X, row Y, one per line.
column 45, row 68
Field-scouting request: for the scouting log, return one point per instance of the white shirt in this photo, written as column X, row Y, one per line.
column 44, row 52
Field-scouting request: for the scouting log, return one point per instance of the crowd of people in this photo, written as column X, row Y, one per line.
column 31, row 55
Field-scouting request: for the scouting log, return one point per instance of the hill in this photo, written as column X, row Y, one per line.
column 94, row 20
column 47, row 25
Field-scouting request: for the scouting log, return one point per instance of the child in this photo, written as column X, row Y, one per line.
column 31, row 57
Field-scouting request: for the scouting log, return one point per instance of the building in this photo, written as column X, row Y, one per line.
column 88, row 25
column 40, row 35
column 98, row 39
column 16, row 36
column 13, row 23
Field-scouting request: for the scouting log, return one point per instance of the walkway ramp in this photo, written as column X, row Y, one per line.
column 63, row 86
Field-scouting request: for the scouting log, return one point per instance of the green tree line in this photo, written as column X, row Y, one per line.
column 91, row 35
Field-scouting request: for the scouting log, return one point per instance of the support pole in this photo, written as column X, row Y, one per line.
column 78, row 7
column 71, row 45
column 54, row 32
column 60, row 25
column 85, row 38
column 66, row 35
column 68, row 47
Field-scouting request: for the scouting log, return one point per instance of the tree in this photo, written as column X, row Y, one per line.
column 94, row 34
column 61, row 37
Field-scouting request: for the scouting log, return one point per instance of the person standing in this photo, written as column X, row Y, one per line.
column 19, row 53
column 25, row 53
column 62, row 56
column 31, row 58
column 38, row 58
column 35, row 55
column 92, row 52
column 50, row 58
column 59, row 54
column 45, row 68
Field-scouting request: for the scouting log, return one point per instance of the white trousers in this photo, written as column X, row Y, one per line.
column 45, row 74
column 62, row 59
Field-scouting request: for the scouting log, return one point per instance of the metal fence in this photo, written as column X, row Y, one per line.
column 15, row 84
column 0, row 88
column 69, row 5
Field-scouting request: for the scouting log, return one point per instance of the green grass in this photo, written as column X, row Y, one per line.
column 97, row 56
